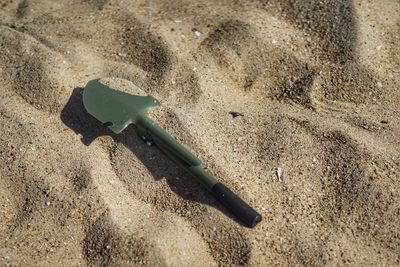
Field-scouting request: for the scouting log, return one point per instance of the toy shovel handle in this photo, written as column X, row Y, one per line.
column 230, row 200
column 189, row 162
column 241, row 209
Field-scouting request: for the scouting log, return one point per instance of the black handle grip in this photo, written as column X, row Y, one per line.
column 241, row 209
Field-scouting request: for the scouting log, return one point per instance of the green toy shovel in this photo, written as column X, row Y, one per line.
column 119, row 109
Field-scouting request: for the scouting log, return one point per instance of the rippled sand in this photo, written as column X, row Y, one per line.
column 318, row 84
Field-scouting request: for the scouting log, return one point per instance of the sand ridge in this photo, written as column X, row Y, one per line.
column 317, row 83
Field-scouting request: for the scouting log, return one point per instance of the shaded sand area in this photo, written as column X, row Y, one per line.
column 318, row 84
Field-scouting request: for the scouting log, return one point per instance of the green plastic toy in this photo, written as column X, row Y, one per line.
column 120, row 109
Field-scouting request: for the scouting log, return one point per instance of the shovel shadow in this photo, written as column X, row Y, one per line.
column 76, row 118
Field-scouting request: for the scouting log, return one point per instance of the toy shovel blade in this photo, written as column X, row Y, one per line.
column 118, row 108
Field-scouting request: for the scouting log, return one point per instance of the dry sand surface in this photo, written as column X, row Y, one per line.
column 318, row 84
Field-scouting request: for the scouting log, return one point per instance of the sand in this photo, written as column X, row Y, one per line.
column 318, row 85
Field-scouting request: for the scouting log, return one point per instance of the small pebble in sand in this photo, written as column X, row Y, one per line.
column 197, row 33
column 47, row 203
column 379, row 84
column 279, row 174
column 274, row 41
column 236, row 114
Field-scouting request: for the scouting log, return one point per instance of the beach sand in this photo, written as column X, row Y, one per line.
column 318, row 85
